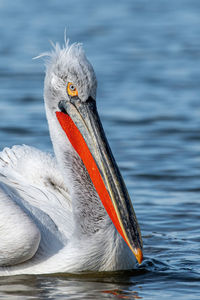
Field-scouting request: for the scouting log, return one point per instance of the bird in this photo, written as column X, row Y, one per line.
column 69, row 212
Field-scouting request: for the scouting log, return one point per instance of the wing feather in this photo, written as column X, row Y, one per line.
column 32, row 193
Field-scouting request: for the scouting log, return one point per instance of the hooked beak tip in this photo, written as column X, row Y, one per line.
column 139, row 255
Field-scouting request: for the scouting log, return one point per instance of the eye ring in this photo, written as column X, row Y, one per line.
column 72, row 90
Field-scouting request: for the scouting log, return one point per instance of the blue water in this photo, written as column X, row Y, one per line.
column 147, row 59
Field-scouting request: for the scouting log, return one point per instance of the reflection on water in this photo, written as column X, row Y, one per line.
column 94, row 286
column 138, row 284
column 147, row 59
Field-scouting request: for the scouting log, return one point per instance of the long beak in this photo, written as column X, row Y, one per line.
column 82, row 125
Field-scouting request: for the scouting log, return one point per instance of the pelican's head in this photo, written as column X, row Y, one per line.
column 69, row 74
column 70, row 92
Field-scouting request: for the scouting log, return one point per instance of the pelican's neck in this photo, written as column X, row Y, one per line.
column 89, row 213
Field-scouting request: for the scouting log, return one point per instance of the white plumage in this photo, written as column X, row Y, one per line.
column 51, row 218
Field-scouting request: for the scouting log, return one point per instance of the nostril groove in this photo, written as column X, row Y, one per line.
column 62, row 107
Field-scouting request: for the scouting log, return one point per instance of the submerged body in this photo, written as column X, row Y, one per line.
column 70, row 213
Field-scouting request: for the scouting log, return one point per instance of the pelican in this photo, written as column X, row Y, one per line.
column 69, row 213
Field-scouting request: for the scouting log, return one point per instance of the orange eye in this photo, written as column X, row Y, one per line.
column 71, row 89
